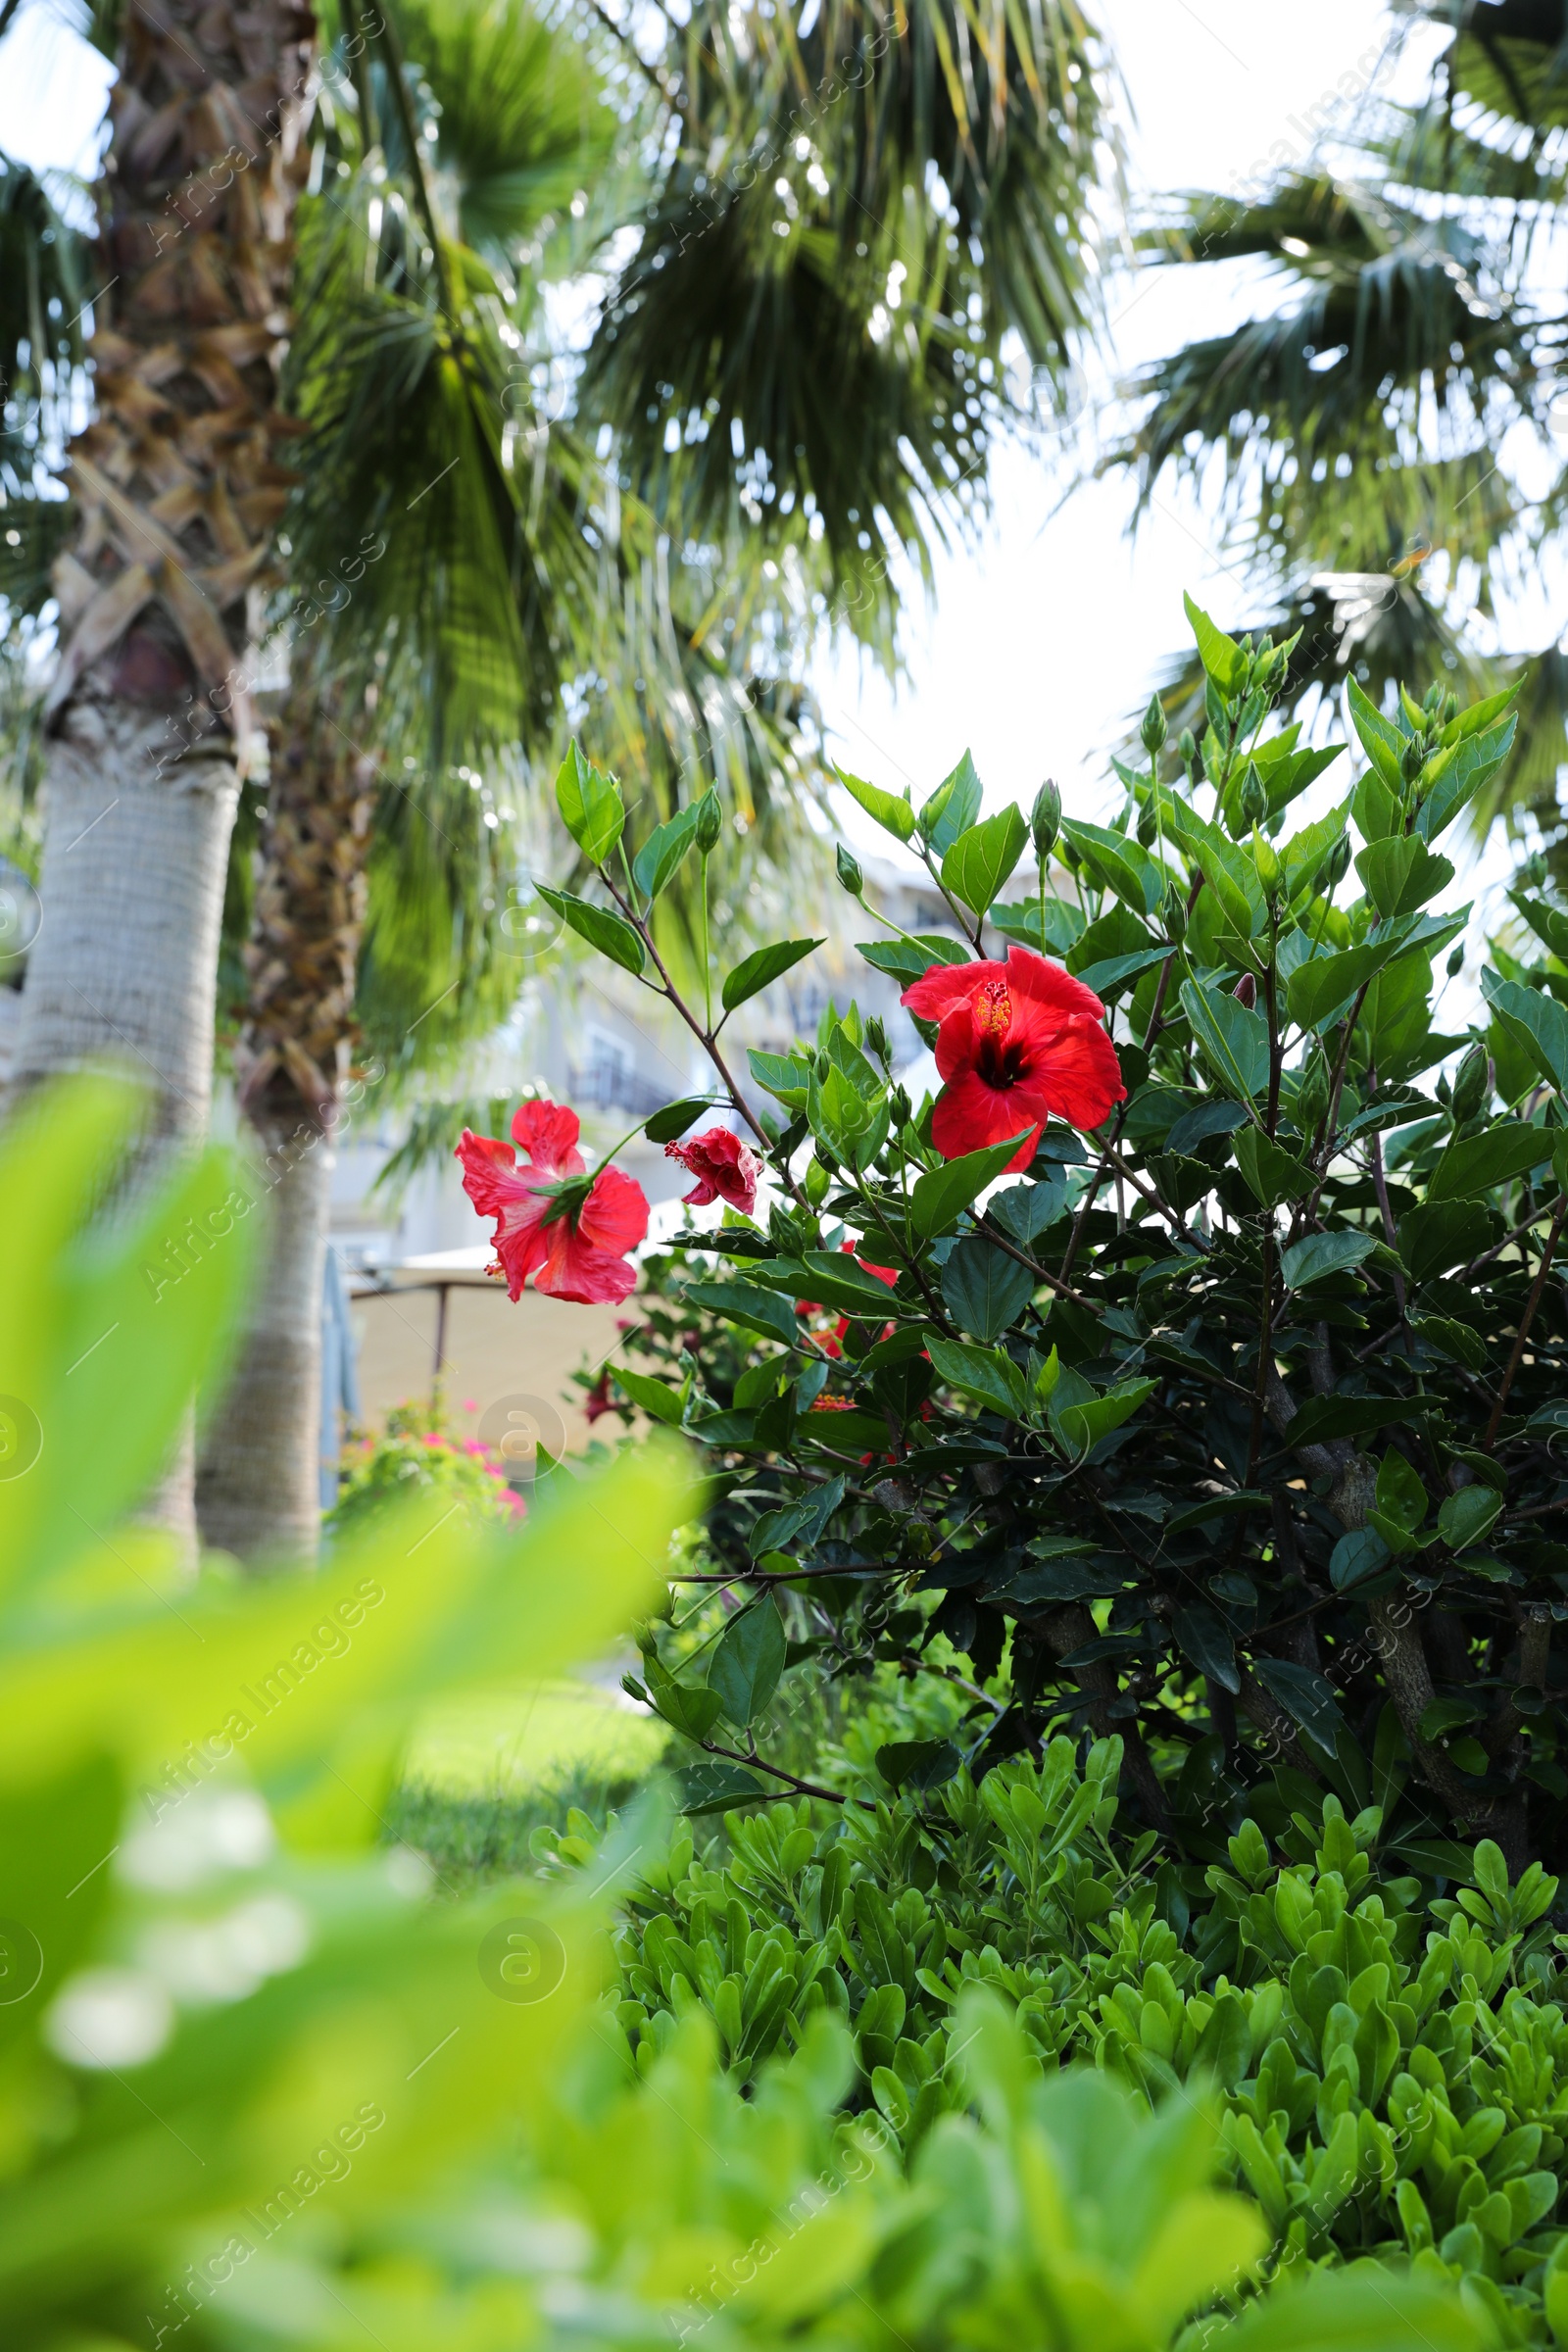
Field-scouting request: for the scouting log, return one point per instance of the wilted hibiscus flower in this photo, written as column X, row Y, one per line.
column 1017, row 1043
column 726, row 1169
column 570, row 1234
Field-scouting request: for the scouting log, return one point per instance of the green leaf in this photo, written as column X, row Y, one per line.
column 1271, row 1172
column 837, row 1279
column 909, row 960
column 1324, row 1253
column 1400, row 1495
column 1548, row 923
column 941, row 1195
column 1378, row 812
column 1435, row 1236
column 1228, row 872
column 748, row 1304
column 1454, row 779
column 1467, row 1516
column 1106, row 978
column 917, row 1763
column 843, row 1433
column 748, row 1662
column 689, row 1707
column 1063, row 924
column 785, row 1076
column 1318, row 992
column 1357, row 1555
column 986, row 1374
column 717, row 1787
column 1371, row 2308
column 1471, row 1167
column 590, row 805
column 603, row 929
column 762, row 968
column 984, row 1287
column 656, row 863
column 952, row 809
column 980, row 860
column 1381, row 740
column 1306, row 1696
column 797, row 1523
column 1121, row 865
column 893, row 813
column 1451, row 1338
column 1303, row 853
column 1234, row 1039
column 1222, row 657
column 1205, row 1636
column 675, row 1117
column 1536, row 1022
column 1082, row 1426
column 1401, row 874
column 1324, row 1418
column 850, row 1118
column 656, row 1399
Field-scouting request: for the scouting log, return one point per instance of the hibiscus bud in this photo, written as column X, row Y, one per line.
column 1245, row 991
column 1455, row 963
column 1044, row 819
column 710, row 821
column 1173, row 913
column 1153, row 729
column 901, row 1108
column 849, row 874
column 816, row 1182
column 1253, row 798
column 1266, row 859
column 1470, row 1085
column 1186, row 744
column 1335, row 868
column 876, row 1037
column 1450, row 710
column 1312, row 1094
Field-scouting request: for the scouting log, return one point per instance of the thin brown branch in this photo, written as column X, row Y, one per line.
column 1525, row 1321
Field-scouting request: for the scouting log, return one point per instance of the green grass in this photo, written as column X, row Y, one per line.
column 482, row 1775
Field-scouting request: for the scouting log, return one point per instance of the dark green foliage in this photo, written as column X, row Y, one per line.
column 1231, row 1427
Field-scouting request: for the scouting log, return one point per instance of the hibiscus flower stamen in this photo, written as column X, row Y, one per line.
column 993, row 1009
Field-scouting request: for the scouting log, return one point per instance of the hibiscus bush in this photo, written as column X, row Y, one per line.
column 1190, row 1368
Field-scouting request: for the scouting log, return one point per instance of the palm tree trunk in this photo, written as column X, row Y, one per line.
column 177, row 488
column 257, row 1478
column 259, row 1483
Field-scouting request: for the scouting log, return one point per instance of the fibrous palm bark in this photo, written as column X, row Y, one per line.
column 177, row 483
column 259, row 1485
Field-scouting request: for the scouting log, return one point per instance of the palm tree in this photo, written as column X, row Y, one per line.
column 428, row 618
column 1390, row 433
column 176, row 489
column 400, row 383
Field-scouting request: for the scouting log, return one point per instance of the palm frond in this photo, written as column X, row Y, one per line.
column 808, row 337
column 521, row 123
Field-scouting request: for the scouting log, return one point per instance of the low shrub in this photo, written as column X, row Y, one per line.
column 1393, row 2063
column 417, row 1455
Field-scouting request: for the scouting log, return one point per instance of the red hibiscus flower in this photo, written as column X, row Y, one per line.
column 572, row 1238
column 726, row 1169
column 1017, row 1043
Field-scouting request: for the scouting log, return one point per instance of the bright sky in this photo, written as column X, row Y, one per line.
column 1041, row 638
